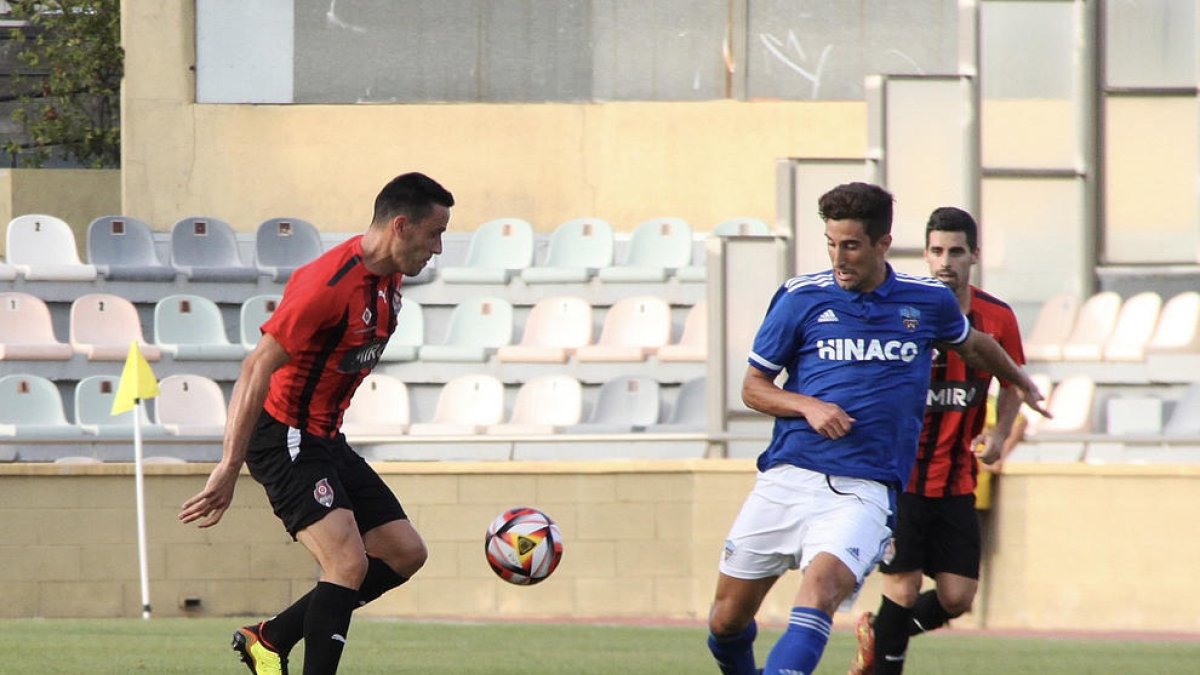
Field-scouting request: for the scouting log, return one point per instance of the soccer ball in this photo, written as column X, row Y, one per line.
column 523, row 546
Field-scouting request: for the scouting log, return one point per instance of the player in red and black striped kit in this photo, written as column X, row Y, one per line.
column 937, row 529
column 326, row 335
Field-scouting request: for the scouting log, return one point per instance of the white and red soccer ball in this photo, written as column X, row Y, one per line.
column 523, row 546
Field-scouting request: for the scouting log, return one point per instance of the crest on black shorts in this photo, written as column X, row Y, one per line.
column 323, row 493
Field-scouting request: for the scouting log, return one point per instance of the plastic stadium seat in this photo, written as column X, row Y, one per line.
column 122, row 249
column 206, row 249
column 42, row 248
column 191, row 328
column 1070, row 407
column 254, row 313
column 1141, row 415
column 380, row 407
column 1052, row 327
column 1178, row 330
column 283, row 244
column 26, row 330
column 103, row 326
column 31, row 407
column 498, row 249
column 93, row 410
column 190, row 405
column 1095, row 323
column 578, row 248
column 689, row 415
column 656, row 246
column 1184, row 420
column 409, row 335
column 7, row 272
column 477, row 328
column 742, row 227
column 624, row 404
column 544, row 405
column 693, row 344
column 466, row 405
column 633, row 329
column 555, row 328
column 1135, row 325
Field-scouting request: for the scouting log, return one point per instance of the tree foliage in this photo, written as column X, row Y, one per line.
column 71, row 84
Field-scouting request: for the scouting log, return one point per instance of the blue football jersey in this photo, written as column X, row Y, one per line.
column 869, row 353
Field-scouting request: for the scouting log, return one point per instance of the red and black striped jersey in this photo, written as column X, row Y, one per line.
column 956, row 406
column 334, row 320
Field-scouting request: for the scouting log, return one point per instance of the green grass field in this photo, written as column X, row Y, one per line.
column 201, row 646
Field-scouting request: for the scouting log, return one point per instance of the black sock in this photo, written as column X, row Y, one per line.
column 284, row 630
column 928, row 614
column 891, row 637
column 325, row 627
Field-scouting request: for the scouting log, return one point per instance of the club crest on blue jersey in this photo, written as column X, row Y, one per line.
column 910, row 316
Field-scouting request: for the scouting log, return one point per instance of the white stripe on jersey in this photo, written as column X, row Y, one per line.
column 764, row 363
column 808, row 280
column 918, row 279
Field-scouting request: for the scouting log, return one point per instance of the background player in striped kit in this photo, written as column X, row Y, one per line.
column 937, row 529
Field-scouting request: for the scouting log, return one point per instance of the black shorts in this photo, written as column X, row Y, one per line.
column 308, row 476
column 936, row 534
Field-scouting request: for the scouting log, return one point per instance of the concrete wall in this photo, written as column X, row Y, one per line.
column 1104, row 548
column 625, row 162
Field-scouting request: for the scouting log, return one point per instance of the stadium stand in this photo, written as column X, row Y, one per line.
column 499, row 249
column 731, row 227
column 123, row 249
column 1071, row 407
column 544, row 405
column 1134, row 327
column 7, row 272
column 27, row 332
column 1051, row 328
column 693, row 343
column 466, row 405
column 1178, row 329
column 190, row 327
column 283, row 244
column 634, row 328
column 93, row 410
column 406, row 341
column 103, row 326
column 31, row 407
column 657, row 247
column 380, row 408
column 191, row 405
column 624, row 404
column 1133, row 415
column 253, row 314
column 1184, row 421
column 1094, row 324
column 477, row 328
column 689, row 413
column 578, row 249
column 42, row 248
column 555, row 328
column 206, row 249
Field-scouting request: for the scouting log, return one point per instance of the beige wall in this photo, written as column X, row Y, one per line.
column 624, row 162
column 76, row 195
column 1089, row 548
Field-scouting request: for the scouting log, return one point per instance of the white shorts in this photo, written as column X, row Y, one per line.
column 792, row 514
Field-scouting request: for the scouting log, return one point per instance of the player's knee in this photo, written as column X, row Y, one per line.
column 349, row 568
column 726, row 626
column 956, row 604
column 413, row 558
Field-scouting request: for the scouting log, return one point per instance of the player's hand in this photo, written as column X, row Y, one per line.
column 828, row 419
column 210, row 503
column 987, row 448
column 1032, row 397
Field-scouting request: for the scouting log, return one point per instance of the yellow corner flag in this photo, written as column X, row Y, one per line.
column 137, row 382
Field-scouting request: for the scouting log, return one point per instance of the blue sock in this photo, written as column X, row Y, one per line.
column 799, row 648
column 735, row 654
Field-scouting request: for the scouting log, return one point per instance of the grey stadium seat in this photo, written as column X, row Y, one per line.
column 206, row 249
column 283, row 244
column 122, row 249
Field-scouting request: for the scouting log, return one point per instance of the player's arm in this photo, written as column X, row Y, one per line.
column 245, row 406
column 990, row 445
column 759, row 392
column 981, row 350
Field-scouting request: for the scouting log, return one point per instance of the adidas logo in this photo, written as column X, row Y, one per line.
column 827, row 316
column 853, row 551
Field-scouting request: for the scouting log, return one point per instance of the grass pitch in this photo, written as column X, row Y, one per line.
column 194, row 646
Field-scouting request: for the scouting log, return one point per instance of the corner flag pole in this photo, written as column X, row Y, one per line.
column 137, row 384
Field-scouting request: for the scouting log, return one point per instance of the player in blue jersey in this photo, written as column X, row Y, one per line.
column 856, row 342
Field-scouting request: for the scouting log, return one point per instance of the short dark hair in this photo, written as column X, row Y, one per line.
column 952, row 219
column 412, row 194
column 869, row 204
